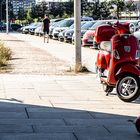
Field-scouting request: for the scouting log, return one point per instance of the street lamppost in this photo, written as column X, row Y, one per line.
column 7, row 19
column 77, row 20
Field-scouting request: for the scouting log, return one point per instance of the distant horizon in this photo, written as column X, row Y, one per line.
column 51, row 0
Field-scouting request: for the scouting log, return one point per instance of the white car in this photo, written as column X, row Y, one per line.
column 39, row 31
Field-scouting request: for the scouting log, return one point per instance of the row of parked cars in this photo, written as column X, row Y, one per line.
column 12, row 26
column 63, row 29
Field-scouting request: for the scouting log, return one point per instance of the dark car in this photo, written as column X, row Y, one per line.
column 66, row 35
column 62, row 34
column 15, row 26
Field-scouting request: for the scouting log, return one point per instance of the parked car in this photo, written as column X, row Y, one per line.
column 38, row 31
column 66, row 35
column 63, row 25
column 33, row 27
column 87, row 39
column 25, row 29
column 15, row 26
column 62, row 34
column 54, row 25
column 137, row 35
column 53, row 21
column 84, row 28
column 134, row 25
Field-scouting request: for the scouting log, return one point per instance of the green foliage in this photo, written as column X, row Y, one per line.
column 69, row 8
column 99, row 10
column 21, row 14
column 5, row 54
column 120, row 6
column 57, row 10
column 28, row 17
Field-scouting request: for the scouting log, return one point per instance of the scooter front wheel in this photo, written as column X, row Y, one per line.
column 128, row 88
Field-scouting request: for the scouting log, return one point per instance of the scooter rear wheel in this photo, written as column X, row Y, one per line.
column 128, row 88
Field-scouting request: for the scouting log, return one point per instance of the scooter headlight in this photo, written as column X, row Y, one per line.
column 116, row 54
column 137, row 54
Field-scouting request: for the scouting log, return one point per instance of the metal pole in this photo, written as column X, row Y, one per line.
column 77, row 20
column 1, row 10
column 7, row 20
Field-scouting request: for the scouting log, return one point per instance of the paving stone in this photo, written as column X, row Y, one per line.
column 53, row 129
column 69, row 129
column 59, row 115
column 12, row 109
column 100, row 122
column 54, row 110
column 49, row 136
column 109, row 116
column 101, row 136
column 122, row 129
column 48, row 122
column 13, row 115
column 14, row 128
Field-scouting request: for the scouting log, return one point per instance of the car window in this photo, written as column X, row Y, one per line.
column 72, row 26
column 97, row 24
column 87, row 25
column 66, row 23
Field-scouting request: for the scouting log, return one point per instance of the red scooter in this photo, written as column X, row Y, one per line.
column 117, row 61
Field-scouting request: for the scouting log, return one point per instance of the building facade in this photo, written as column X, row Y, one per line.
column 25, row 4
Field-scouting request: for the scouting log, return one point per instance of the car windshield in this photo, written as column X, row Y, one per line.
column 82, row 23
column 72, row 26
column 66, row 23
column 97, row 24
column 87, row 25
column 37, row 24
column 56, row 24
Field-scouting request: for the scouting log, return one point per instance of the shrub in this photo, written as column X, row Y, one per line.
column 5, row 54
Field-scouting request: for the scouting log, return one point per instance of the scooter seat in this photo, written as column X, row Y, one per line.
column 106, row 45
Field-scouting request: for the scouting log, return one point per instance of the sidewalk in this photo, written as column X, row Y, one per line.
column 62, row 50
column 56, row 106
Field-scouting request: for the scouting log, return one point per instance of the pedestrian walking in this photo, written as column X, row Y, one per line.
column 46, row 24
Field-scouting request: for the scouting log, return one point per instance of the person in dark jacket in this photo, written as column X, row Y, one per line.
column 46, row 24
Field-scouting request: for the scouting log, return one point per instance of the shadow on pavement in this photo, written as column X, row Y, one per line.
column 20, row 121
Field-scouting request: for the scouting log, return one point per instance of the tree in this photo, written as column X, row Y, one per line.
column 120, row 6
column 69, row 8
column 84, row 7
column 130, row 7
column 34, row 12
column 28, row 16
column 99, row 10
column 21, row 14
column 57, row 9
column 104, row 10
